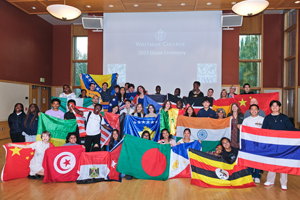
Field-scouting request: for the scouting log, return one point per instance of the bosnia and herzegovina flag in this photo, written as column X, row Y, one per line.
column 135, row 126
column 208, row 130
column 98, row 80
column 263, row 100
column 148, row 101
column 223, row 103
column 212, row 171
column 58, row 128
column 144, row 159
column 81, row 102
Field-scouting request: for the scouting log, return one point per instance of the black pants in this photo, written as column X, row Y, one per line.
column 95, row 139
column 17, row 137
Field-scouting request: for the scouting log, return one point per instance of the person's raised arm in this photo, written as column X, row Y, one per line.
column 77, row 111
column 113, row 84
column 19, row 146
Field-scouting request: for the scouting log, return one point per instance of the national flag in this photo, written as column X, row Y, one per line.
column 164, row 120
column 58, row 128
column 17, row 162
column 115, row 154
column 196, row 102
column 136, row 126
column 82, row 102
column 112, row 103
column 263, row 100
column 212, row 171
column 98, row 80
column 94, row 167
column 208, row 130
column 179, row 159
column 223, row 103
column 158, row 98
column 131, row 96
column 61, row 163
column 105, row 106
column 148, row 101
column 144, row 159
column 173, row 115
column 270, row 150
column 173, row 99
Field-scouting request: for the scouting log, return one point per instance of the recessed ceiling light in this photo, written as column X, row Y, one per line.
column 297, row 1
column 33, row 8
column 110, row 6
column 88, row 6
column 183, row 4
column 159, row 4
column 208, row 3
column 233, row 3
column 135, row 5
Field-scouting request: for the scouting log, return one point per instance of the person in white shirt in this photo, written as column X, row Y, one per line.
column 94, row 121
column 260, row 112
column 95, row 101
column 254, row 121
column 127, row 109
column 67, row 92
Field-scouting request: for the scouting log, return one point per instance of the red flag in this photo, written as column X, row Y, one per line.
column 60, row 163
column 223, row 103
column 17, row 162
column 114, row 154
column 263, row 100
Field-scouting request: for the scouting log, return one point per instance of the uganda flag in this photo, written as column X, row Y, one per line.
column 144, row 159
column 212, row 171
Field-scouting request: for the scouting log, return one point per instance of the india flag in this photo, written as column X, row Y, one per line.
column 81, row 102
column 208, row 130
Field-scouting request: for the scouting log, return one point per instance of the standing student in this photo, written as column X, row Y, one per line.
column 157, row 89
column 232, row 90
column 67, row 92
column 127, row 109
column 223, row 94
column 71, row 139
column 91, row 91
column 221, row 113
column 254, row 121
column 190, row 112
column 217, row 151
column 179, row 104
column 106, row 93
column 95, row 101
column 210, row 92
column 139, row 111
column 146, row 135
column 115, row 109
column 126, row 86
column 93, row 126
column 55, row 112
column 236, row 121
column 70, row 115
column 151, row 111
column 229, row 153
column 166, row 138
column 186, row 137
column 83, row 94
column 115, row 138
column 247, row 89
column 277, row 121
column 206, row 111
column 15, row 120
column 30, row 123
column 196, row 90
column 121, row 95
column 141, row 94
column 260, row 112
column 177, row 92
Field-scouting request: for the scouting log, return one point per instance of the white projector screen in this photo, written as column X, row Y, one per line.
column 170, row 49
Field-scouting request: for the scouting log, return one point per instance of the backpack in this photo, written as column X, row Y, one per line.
column 88, row 117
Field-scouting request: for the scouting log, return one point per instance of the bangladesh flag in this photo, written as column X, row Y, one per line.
column 59, row 128
column 81, row 102
column 144, row 159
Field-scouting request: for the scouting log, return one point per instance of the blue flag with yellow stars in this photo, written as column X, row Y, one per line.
column 136, row 126
column 147, row 102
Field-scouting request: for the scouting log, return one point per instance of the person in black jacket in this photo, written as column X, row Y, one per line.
column 30, row 123
column 70, row 115
column 196, row 90
column 15, row 120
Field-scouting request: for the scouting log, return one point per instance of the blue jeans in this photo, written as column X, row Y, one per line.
column 254, row 172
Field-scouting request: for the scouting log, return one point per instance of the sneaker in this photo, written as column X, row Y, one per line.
column 268, row 184
column 34, row 177
column 283, row 187
column 256, row 180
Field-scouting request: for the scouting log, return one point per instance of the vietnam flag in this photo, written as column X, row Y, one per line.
column 144, row 159
column 17, row 162
column 263, row 100
column 61, row 163
column 223, row 103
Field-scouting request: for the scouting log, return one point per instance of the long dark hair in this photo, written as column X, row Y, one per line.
column 144, row 90
column 165, row 102
column 69, row 135
column 112, row 140
column 120, row 95
column 193, row 114
column 37, row 110
column 161, row 134
column 22, row 110
column 238, row 111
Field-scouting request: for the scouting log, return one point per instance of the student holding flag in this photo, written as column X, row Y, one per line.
column 190, row 112
column 166, row 138
column 139, row 111
column 141, row 91
column 106, row 92
column 206, row 111
column 115, row 138
column 55, row 112
column 229, row 153
column 186, row 137
column 121, row 95
column 236, row 121
column 151, row 111
column 91, row 91
column 127, row 109
column 95, row 101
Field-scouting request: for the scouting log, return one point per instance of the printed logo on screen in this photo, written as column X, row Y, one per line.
column 118, row 68
column 160, row 35
column 207, row 72
column 222, row 174
column 202, row 134
column 64, row 162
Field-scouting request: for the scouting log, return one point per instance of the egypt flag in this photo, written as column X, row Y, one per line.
column 17, row 162
column 144, row 159
column 208, row 130
column 263, row 100
column 82, row 102
column 196, row 102
column 59, row 128
column 212, row 171
column 223, row 103
column 93, row 167
column 179, row 161
column 61, row 163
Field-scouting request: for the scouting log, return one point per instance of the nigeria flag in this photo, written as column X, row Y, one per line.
column 81, row 102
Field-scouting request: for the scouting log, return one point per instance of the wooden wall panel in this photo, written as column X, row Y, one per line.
column 251, row 25
column 4, row 130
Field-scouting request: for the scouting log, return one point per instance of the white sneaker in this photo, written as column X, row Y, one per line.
column 283, row 187
column 268, row 183
column 257, row 180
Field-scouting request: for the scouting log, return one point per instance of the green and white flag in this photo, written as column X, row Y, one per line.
column 81, row 102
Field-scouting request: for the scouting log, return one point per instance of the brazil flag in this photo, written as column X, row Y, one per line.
column 144, row 159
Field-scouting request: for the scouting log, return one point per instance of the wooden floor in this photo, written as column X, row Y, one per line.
column 140, row 189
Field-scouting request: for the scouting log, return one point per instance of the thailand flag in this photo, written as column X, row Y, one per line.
column 270, row 150
column 179, row 160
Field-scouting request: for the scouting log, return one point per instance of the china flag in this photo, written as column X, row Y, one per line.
column 61, row 163
column 17, row 162
column 263, row 100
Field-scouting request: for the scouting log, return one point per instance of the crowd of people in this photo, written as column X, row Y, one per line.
column 23, row 127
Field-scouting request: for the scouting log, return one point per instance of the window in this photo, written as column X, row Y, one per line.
column 250, row 61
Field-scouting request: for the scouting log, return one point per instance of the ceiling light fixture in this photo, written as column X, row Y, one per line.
column 159, row 4
column 233, row 3
column 88, row 6
column 297, row 1
column 33, row 8
column 63, row 11
column 208, row 3
column 135, row 5
column 111, row 6
column 183, row 4
column 250, row 7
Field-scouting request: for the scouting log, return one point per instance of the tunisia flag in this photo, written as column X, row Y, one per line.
column 263, row 100
column 60, row 163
